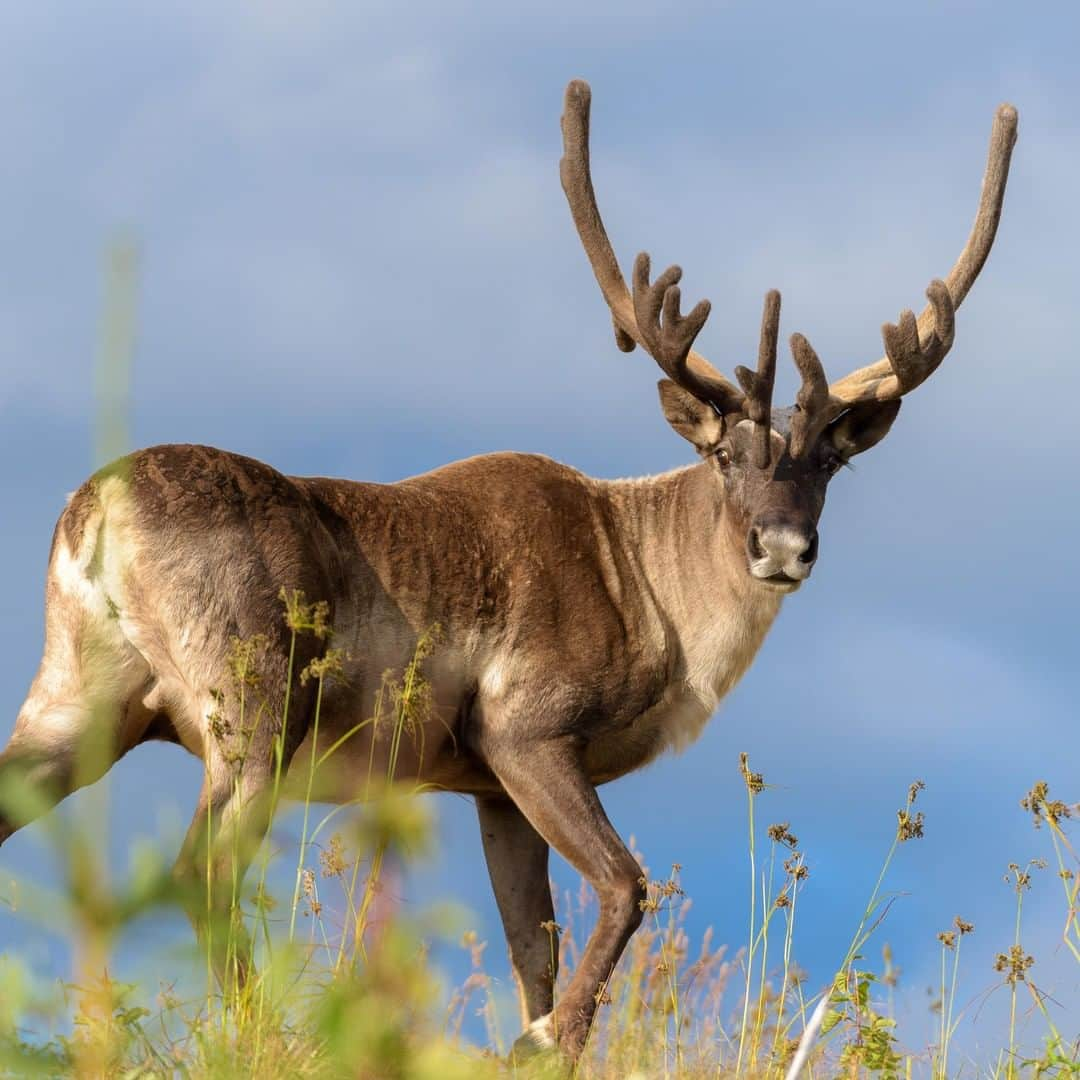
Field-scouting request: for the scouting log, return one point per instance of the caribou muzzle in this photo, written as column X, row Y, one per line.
column 782, row 553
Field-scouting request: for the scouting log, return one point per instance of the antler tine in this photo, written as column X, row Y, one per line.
column 812, row 401
column 758, row 386
column 915, row 347
column 688, row 368
column 912, row 357
column 667, row 335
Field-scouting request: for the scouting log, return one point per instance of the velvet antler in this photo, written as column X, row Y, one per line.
column 651, row 317
column 758, row 385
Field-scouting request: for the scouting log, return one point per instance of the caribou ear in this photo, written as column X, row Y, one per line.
column 695, row 421
column 862, row 426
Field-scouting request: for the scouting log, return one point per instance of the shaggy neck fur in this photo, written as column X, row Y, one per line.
column 695, row 570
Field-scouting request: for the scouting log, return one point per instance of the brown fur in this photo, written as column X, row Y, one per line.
column 584, row 626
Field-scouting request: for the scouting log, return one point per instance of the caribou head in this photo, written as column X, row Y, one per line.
column 773, row 465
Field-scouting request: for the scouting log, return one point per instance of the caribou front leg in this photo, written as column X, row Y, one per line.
column 517, row 861
column 547, row 781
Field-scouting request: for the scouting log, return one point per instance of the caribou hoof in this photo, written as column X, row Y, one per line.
column 536, row 1040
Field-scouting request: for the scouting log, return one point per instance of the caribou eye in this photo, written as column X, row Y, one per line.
column 723, row 457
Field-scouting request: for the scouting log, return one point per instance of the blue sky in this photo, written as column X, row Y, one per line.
column 357, row 261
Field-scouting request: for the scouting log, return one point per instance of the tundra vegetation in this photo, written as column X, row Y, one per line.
column 342, row 984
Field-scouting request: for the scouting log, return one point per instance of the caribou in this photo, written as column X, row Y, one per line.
column 585, row 625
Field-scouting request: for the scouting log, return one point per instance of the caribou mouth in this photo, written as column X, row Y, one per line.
column 781, row 582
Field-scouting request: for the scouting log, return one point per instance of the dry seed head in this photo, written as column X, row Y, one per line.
column 796, row 868
column 1013, row 964
column 909, row 826
column 947, row 938
column 325, row 668
column 219, row 727
column 311, row 894
column 669, row 888
column 1041, row 807
column 755, row 782
column 781, row 834
column 243, row 653
column 332, row 858
column 913, row 791
column 963, row 927
column 302, row 617
column 1020, row 878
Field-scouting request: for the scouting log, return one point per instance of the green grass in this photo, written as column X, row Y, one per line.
column 337, row 992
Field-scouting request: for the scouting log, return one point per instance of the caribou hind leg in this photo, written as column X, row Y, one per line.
column 85, row 706
column 57, row 747
column 517, row 861
column 546, row 779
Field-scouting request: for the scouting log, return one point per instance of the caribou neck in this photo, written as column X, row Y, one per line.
column 684, row 548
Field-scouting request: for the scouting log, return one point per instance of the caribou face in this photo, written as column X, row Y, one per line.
column 772, row 495
column 774, row 509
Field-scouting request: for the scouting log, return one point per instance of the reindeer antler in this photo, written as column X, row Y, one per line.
column 637, row 320
column 915, row 347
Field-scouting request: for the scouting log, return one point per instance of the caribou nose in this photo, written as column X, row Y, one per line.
column 782, row 549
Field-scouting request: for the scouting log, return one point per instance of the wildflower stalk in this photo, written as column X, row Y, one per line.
column 307, row 806
column 909, row 827
column 789, row 934
column 410, row 704
column 938, row 1072
column 1011, row 1070
column 766, row 916
column 754, row 785
column 354, row 913
column 1070, row 883
column 668, row 959
column 279, row 753
column 949, row 1028
column 950, row 942
column 1053, row 812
